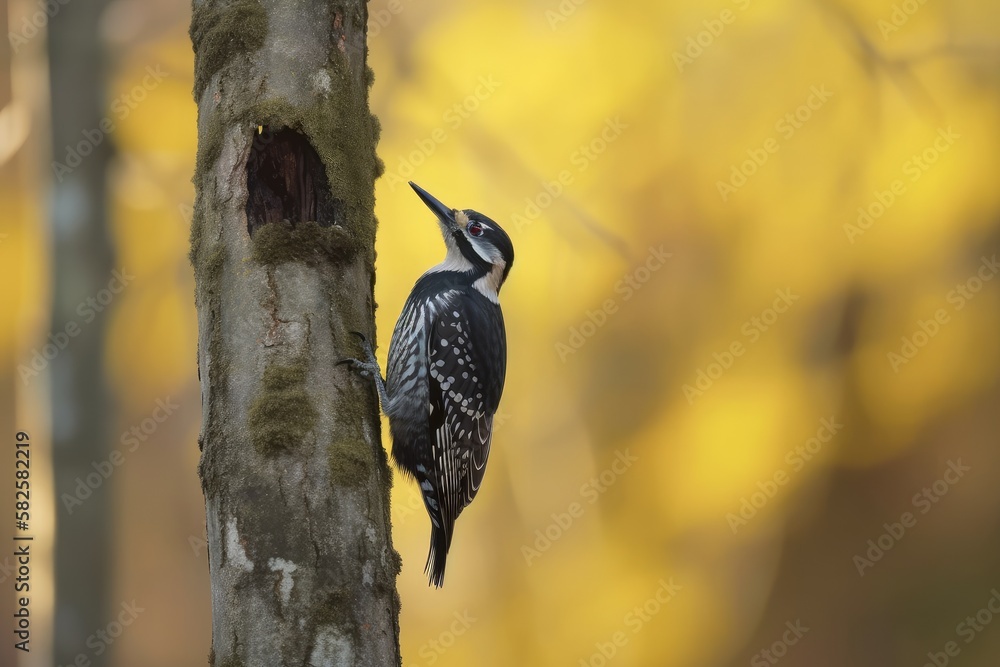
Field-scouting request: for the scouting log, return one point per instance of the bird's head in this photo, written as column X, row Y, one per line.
column 475, row 243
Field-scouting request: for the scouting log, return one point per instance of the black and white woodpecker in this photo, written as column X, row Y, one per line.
column 447, row 360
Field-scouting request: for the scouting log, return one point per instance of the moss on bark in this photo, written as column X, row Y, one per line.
column 282, row 415
column 348, row 464
column 221, row 31
column 307, row 242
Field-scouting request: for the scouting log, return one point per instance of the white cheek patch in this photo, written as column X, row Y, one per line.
column 487, row 252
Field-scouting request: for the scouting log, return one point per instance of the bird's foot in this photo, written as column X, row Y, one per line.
column 368, row 367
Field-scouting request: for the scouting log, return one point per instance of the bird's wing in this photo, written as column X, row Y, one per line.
column 406, row 372
column 467, row 353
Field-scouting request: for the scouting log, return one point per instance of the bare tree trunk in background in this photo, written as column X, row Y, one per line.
column 295, row 479
column 82, row 266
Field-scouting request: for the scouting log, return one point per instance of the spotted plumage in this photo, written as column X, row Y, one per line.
column 447, row 361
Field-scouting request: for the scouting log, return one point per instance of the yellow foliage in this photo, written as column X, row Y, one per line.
column 769, row 147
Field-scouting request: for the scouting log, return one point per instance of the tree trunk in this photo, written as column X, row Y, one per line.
column 295, row 478
column 82, row 261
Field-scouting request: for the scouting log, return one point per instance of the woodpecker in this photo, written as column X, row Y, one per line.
column 447, row 360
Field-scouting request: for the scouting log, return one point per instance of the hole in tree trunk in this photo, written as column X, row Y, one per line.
column 286, row 180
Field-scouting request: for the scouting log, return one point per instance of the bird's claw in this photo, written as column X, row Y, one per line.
column 367, row 367
column 365, row 345
column 361, row 366
column 369, row 352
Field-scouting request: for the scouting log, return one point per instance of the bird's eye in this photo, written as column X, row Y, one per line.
column 475, row 229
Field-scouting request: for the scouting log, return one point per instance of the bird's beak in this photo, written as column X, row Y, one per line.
column 445, row 215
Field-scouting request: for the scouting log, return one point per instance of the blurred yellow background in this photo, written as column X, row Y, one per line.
column 751, row 411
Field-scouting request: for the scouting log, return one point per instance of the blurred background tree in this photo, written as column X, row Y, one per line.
column 82, row 256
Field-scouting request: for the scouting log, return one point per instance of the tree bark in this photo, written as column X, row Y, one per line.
column 295, row 478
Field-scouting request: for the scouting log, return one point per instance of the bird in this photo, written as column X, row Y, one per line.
column 446, row 368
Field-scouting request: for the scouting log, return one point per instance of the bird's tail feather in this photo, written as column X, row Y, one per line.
column 438, row 555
